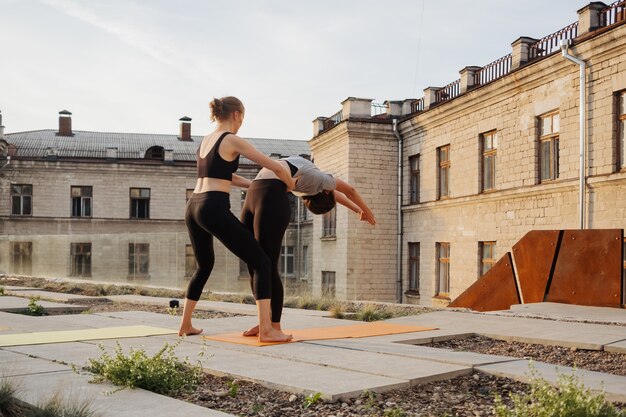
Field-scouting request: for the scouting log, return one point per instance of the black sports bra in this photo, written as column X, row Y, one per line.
column 214, row 166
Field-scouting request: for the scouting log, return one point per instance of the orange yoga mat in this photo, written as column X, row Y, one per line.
column 324, row 333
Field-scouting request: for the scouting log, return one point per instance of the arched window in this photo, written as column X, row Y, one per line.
column 155, row 152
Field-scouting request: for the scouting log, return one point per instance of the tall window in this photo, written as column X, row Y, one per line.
column 287, row 261
column 293, row 207
column 139, row 203
column 549, row 126
column 138, row 260
column 190, row 261
column 22, row 257
column 414, row 164
column 21, row 199
column 328, row 283
column 305, row 259
column 80, row 259
column 489, row 147
column 443, row 269
column 443, row 174
column 81, row 201
column 487, row 256
column 414, row 268
column 329, row 223
column 622, row 128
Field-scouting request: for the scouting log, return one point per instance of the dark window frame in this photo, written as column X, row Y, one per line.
column 443, row 266
column 22, row 196
column 329, row 284
column 136, row 202
column 414, row 266
column 80, row 259
column 486, row 248
column 443, row 167
column 551, row 140
column 489, row 151
column 329, row 223
column 138, row 260
column 79, row 203
column 414, row 179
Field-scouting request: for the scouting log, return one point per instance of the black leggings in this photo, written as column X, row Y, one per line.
column 208, row 214
column 266, row 212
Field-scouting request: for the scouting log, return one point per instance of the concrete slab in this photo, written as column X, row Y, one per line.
column 416, row 371
column 18, row 304
column 17, row 364
column 521, row 329
column 613, row 386
column 71, row 353
column 617, row 347
column 56, row 296
column 125, row 403
column 558, row 311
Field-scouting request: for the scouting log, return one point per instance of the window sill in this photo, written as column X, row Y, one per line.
column 328, row 238
column 412, row 294
column 442, row 297
column 138, row 277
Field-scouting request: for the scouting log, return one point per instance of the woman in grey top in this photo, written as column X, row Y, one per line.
column 266, row 213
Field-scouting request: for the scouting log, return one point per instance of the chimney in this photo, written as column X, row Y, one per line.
column 185, row 129
column 1, row 127
column 65, row 123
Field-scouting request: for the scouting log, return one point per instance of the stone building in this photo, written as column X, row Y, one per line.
column 109, row 207
column 457, row 177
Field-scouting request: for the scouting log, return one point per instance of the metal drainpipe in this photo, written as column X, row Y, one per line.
column 399, row 215
column 582, row 87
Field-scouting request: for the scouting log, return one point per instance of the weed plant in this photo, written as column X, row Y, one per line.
column 162, row 373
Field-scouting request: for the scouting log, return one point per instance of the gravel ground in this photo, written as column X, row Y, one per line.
column 591, row 360
column 471, row 395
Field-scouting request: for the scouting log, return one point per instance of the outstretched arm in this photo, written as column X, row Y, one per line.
column 246, row 149
column 347, row 195
column 241, row 182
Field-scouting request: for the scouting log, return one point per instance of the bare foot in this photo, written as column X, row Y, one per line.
column 274, row 335
column 189, row 331
column 252, row 331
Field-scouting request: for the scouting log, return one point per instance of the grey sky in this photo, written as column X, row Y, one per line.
column 138, row 66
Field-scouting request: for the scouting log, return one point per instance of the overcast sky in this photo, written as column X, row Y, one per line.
column 140, row 65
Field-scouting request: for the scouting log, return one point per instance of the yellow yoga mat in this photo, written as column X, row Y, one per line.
column 40, row 338
column 324, row 333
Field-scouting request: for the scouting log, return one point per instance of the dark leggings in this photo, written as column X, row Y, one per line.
column 208, row 214
column 266, row 212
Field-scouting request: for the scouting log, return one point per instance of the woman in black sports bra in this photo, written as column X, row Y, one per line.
column 208, row 214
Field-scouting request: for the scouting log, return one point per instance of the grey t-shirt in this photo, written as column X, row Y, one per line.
column 310, row 180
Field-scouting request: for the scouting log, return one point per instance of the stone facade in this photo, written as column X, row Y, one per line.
column 364, row 149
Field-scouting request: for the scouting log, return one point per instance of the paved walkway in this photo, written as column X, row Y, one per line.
column 337, row 368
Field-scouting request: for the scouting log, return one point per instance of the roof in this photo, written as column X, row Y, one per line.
column 35, row 144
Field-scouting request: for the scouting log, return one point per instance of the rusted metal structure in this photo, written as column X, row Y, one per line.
column 581, row 267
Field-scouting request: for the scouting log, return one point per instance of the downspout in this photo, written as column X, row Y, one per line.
column 399, row 216
column 583, row 88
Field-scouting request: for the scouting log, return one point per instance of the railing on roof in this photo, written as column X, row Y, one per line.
column 333, row 120
column 378, row 109
column 417, row 105
column 613, row 14
column 448, row 92
column 490, row 72
column 551, row 43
